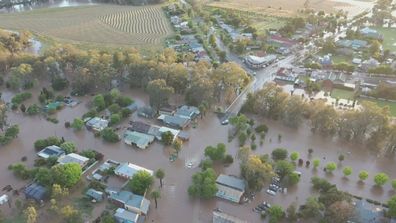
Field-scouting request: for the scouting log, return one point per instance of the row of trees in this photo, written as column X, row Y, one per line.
column 369, row 125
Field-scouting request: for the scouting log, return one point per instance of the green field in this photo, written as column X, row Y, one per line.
column 389, row 37
column 342, row 94
column 109, row 25
column 391, row 105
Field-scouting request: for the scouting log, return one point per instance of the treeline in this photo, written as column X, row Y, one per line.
column 162, row 73
column 132, row 2
column 369, row 125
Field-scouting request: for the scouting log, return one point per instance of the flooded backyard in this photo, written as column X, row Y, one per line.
column 175, row 205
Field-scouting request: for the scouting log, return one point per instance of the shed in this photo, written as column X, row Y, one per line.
column 175, row 121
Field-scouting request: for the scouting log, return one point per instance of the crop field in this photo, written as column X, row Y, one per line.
column 283, row 8
column 96, row 25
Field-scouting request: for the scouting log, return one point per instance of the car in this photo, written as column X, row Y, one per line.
column 271, row 192
column 256, row 210
column 189, row 165
column 225, row 121
column 268, row 205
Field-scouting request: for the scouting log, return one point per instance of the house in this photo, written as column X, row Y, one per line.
column 97, row 124
column 166, row 111
column 138, row 139
column 175, row 121
column 130, row 201
column 326, row 61
column 51, row 151
column 36, row 192
column 124, row 216
column 281, row 41
column 146, row 112
column 357, row 44
column 94, row 194
column 189, row 112
column 73, row 158
column 370, row 63
column 139, row 127
column 221, row 217
column 230, row 188
column 127, row 170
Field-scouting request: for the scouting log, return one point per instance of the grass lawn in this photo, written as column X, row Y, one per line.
column 342, row 94
column 389, row 37
column 391, row 105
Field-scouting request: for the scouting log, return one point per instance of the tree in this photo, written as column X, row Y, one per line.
column 109, row 135
column 203, row 184
column 68, row 147
column 228, row 159
column 276, row 213
column 58, row 191
column 380, row 179
column 293, row 178
column 3, row 115
column 167, row 138
column 31, row 214
column 293, row 111
column 323, row 119
column 347, row 171
column 320, row 184
column 12, row 131
column 77, row 124
column 316, row 163
column 44, row 176
column 160, row 174
column 240, row 122
column 392, row 206
column 177, row 145
column 341, row 158
column 256, row 172
column 294, row 156
column 363, row 175
column 66, row 175
column 155, row 195
column 279, row 154
column 23, row 108
column 159, row 93
column 70, row 214
column 140, row 182
column 115, row 119
column 99, row 102
column 394, row 184
column 216, row 153
column 291, row 212
column 331, row 167
column 312, row 208
column 339, row 211
column 284, row 168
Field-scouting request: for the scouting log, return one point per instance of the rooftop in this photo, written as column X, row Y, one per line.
column 231, row 181
column 139, row 139
column 126, row 216
column 73, row 158
column 51, row 151
column 129, row 169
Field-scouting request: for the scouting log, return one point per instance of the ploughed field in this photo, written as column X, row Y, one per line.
column 98, row 24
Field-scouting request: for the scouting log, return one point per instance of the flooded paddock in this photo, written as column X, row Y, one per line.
column 175, row 205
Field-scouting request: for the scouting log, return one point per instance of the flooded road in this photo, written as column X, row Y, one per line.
column 175, row 204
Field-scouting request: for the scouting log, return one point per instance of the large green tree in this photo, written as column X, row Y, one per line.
column 66, row 175
column 203, row 184
column 159, row 93
column 141, row 181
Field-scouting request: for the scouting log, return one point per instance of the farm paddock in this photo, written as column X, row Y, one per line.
column 110, row 25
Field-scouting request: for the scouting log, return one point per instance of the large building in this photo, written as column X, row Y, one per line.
column 259, row 62
column 230, row 188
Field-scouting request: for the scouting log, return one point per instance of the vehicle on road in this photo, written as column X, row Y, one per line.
column 271, row 192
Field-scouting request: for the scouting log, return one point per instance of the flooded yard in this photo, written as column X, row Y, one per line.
column 175, row 205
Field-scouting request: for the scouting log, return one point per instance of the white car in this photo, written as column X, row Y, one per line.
column 271, row 192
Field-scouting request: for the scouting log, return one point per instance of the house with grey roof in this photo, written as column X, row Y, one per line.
column 73, row 158
column 189, row 112
column 138, row 139
column 175, row 121
column 230, row 188
column 222, row 217
column 131, row 202
column 51, row 151
column 94, row 194
column 96, row 124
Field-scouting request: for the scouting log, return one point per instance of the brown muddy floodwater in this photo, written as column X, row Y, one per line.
column 175, row 204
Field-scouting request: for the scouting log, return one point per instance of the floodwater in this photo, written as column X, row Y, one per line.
column 49, row 4
column 175, row 205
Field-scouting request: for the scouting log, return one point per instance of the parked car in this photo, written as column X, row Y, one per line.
column 271, row 192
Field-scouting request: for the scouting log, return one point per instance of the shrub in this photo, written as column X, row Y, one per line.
column 12, row 131
column 253, row 146
column 109, row 135
column 77, row 124
column 363, row 175
column 90, row 114
column 115, row 119
column 125, row 113
column 380, row 179
column 33, row 109
column 124, row 101
column 242, row 138
column 59, row 84
column 347, row 171
column 294, row 156
column 114, row 108
column 68, row 147
column 261, row 128
column 279, row 154
column 316, row 163
column 18, row 98
column 228, row 159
